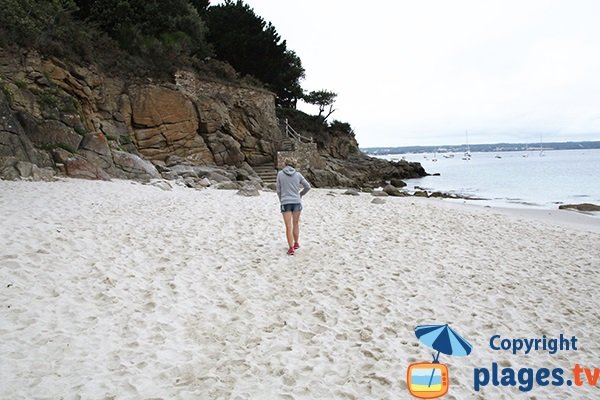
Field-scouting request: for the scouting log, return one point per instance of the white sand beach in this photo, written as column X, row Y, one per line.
column 118, row 290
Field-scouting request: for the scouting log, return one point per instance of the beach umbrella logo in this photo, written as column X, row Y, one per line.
column 430, row 380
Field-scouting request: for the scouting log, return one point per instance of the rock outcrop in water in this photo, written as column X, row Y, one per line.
column 59, row 118
column 585, row 207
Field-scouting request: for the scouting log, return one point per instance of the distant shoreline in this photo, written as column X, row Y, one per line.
column 494, row 147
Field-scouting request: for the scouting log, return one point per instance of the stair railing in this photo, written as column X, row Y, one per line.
column 291, row 133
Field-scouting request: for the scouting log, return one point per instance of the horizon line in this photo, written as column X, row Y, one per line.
column 478, row 144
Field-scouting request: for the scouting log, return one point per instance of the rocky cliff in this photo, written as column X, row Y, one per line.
column 58, row 118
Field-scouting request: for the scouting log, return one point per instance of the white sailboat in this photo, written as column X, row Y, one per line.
column 467, row 154
column 541, row 148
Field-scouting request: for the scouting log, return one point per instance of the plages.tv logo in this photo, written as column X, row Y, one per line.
column 430, row 380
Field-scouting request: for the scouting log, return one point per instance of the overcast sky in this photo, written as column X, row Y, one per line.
column 423, row 72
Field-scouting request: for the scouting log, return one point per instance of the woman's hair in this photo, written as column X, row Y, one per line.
column 289, row 162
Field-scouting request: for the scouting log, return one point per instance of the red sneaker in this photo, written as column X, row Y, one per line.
column 296, row 246
column 290, row 251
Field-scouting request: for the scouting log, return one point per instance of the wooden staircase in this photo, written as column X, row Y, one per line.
column 267, row 173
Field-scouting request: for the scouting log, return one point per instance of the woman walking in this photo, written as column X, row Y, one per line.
column 288, row 190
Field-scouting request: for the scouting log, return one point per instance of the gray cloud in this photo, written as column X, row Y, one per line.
column 411, row 72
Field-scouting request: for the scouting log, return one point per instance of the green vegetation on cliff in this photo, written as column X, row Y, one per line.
column 154, row 38
column 162, row 31
column 253, row 47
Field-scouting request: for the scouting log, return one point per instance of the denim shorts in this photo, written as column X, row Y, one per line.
column 295, row 207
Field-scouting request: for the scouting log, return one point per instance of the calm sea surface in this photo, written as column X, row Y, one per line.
column 557, row 177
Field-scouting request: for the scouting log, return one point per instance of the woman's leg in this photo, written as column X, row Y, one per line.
column 296, row 220
column 287, row 218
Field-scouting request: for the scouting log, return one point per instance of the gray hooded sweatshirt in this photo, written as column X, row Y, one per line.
column 288, row 186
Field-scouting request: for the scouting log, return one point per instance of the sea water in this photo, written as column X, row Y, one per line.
column 519, row 178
